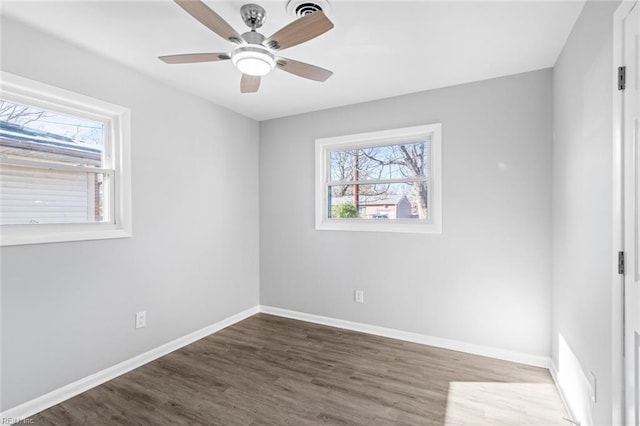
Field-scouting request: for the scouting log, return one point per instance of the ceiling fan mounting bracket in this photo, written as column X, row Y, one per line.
column 253, row 15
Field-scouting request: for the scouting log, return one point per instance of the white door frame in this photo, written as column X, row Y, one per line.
column 617, row 280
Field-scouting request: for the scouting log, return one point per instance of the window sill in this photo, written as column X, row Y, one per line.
column 15, row 235
column 380, row 225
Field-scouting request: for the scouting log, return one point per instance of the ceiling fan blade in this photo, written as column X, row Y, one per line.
column 249, row 83
column 302, row 69
column 301, row 30
column 210, row 19
column 189, row 58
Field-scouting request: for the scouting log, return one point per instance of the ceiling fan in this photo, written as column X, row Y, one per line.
column 254, row 54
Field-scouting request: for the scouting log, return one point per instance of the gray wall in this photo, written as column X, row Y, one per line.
column 582, row 199
column 68, row 309
column 485, row 280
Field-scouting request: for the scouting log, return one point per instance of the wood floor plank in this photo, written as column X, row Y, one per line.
column 268, row 370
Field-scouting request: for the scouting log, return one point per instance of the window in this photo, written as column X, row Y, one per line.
column 64, row 165
column 380, row 181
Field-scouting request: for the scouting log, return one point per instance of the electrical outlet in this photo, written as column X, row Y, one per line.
column 141, row 319
column 359, row 296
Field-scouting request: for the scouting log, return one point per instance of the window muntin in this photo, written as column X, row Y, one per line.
column 380, row 181
column 64, row 165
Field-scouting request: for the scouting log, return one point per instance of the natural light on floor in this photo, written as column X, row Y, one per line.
column 575, row 383
column 504, row 403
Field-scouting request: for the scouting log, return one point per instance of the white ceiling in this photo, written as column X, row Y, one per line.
column 377, row 49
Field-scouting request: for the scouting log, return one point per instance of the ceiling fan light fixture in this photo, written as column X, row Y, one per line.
column 253, row 60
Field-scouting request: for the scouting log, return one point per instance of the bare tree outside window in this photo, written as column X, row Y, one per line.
column 19, row 114
column 27, row 117
column 372, row 175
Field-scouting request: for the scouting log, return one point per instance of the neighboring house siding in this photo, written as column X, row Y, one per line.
column 392, row 207
column 42, row 195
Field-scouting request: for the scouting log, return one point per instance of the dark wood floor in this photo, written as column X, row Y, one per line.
column 268, row 370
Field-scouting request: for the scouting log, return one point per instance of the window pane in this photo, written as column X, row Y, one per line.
column 38, row 195
column 37, row 134
column 381, row 162
column 380, row 201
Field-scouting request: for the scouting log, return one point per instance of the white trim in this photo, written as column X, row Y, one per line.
column 553, row 369
column 617, row 281
column 59, row 395
column 423, row 339
column 117, row 120
column 384, row 137
column 14, row 235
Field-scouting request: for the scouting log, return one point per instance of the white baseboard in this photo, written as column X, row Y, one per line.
column 59, row 395
column 503, row 354
column 29, row 408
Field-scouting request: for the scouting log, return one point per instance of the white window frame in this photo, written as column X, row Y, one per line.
column 117, row 121
column 324, row 146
